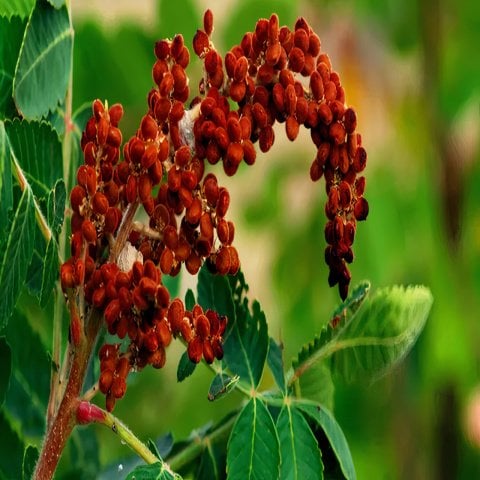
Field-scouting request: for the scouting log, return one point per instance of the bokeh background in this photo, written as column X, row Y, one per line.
column 411, row 68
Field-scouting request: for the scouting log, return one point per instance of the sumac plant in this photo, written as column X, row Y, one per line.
column 93, row 228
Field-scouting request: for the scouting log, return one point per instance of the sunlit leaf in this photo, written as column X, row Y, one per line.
column 382, row 333
column 45, row 60
column 253, row 447
column 11, row 36
column 155, row 471
column 301, row 458
column 6, row 362
column 15, row 258
column 325, row 420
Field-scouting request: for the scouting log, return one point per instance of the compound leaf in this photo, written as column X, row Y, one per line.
column 45, row 61
column 253, row 450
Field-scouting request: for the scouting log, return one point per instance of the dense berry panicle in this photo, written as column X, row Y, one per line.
column 275, row 74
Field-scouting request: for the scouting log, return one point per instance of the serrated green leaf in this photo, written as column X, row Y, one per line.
column 5, row 371
column 30, row 457
column 341, row 318
column 15, row 258
column 325, row 420
column 189, row 299
column 185, row 367
column 246, row 345
column 45, row 61
column 21, row 8
column 382, row 333
column 38, row 151
column 253, row 449
column 11, row 36
column 27, row 397
column 11, row 450
column 213, row 291
column 275, row 363
column 56, row 206
column 155, row 471
column 221, row 385
column 301, row 457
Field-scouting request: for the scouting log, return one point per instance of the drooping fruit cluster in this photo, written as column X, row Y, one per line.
column 274, row 75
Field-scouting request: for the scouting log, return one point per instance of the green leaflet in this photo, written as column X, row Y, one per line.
column 156, row 471
column 341, row 318
column 301, row 457
column 45, row 61
column 382, row 333
column 16, row 255
column 185, row 367
column 11, row 36
column 253, row 448
column 6, row 186
column 221, row 385
column 275, row 363
column 325, row 420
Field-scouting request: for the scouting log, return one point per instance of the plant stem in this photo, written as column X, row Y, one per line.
column 65, row 419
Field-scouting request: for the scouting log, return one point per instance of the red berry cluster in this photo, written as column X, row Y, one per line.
column 117, row 263
column 276, row 74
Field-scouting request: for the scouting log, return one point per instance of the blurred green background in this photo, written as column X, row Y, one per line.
column 412, row 71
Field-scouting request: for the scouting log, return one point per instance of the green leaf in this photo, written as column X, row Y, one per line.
column 38, row 151
column 11, row 36
column 56, row 206
column 325, row 420
column 44, row 63
column 185, row 367
column 27, row 396
column 56, row 3
column 189, row 299
column 221, row 385
column 30, row 457
column 315, row 351
column 212, row 463
column 316, row 384
column 21, row 8
column 16, row 255
column 155, row 471
column 246, row 346
column 275, row 363
column 153, row 448
column 213, row 291
column 6, row 185
column 382, row 333
column 11, row 450
column 301, row 457
column 5, row 371
column 253, row 448
column 49, row 272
